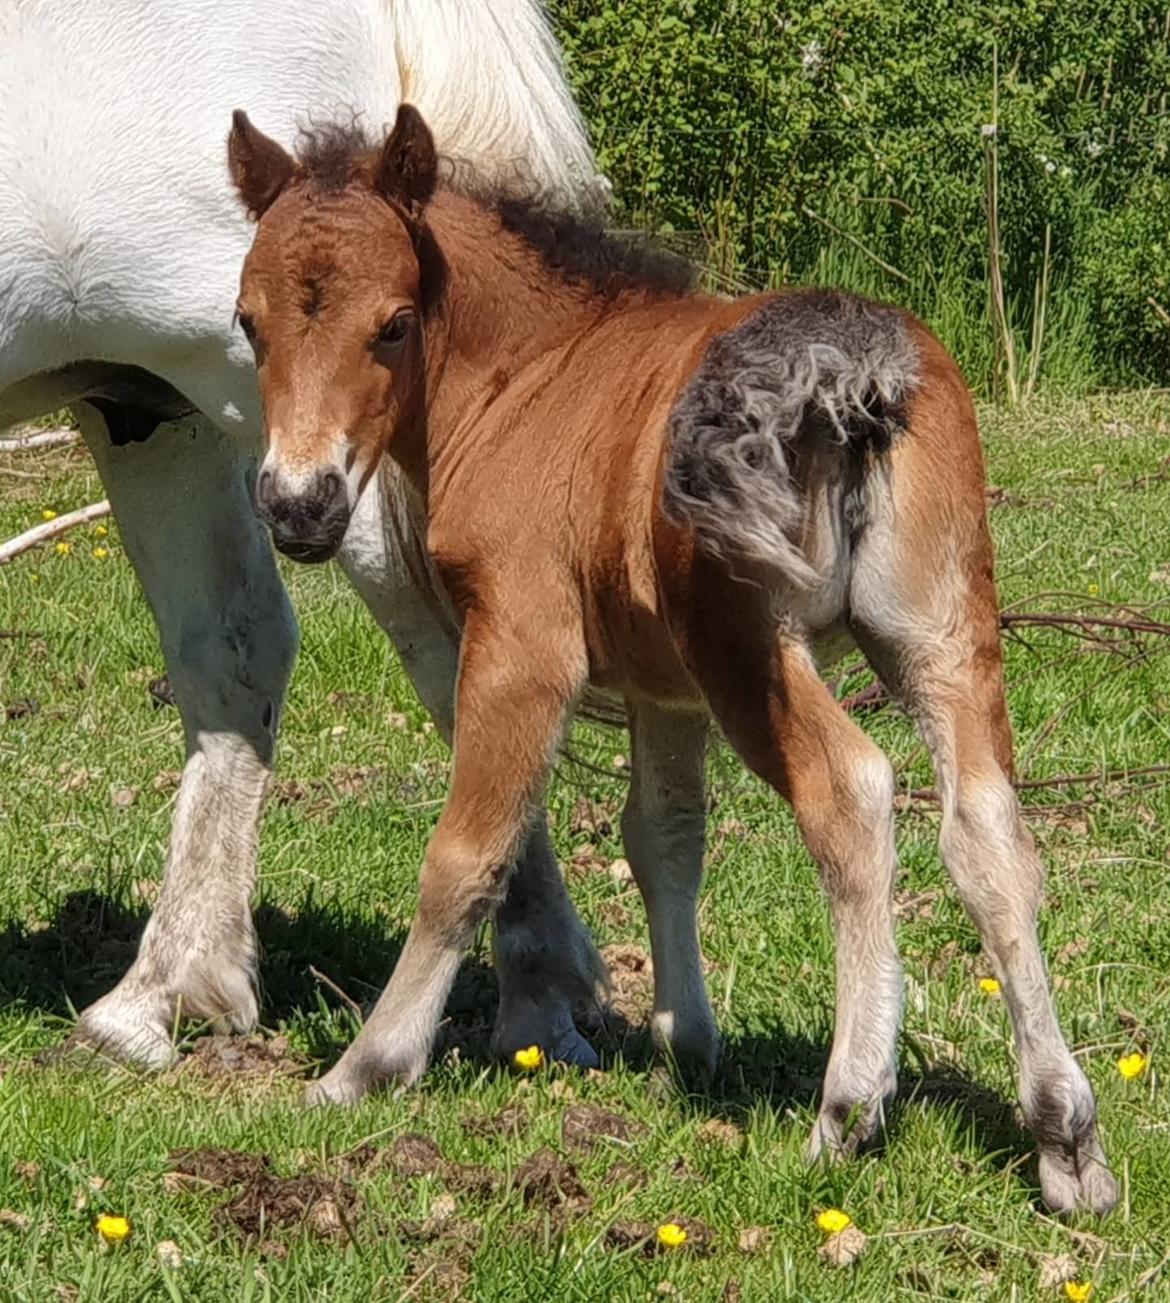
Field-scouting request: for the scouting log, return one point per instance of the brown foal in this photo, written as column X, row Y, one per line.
column 676, row 498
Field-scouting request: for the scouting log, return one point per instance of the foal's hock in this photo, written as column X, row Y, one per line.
column 676, row 498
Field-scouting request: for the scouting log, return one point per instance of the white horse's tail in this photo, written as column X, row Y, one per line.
column 488, row 78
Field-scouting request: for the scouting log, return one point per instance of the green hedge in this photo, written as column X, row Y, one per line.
column 847, row 142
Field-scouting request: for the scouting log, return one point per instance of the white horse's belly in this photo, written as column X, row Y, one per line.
column 121, row 238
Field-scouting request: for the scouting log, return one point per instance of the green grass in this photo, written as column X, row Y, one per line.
column 338, row 867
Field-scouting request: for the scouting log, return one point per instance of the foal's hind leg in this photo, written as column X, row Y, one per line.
column 229, row 639
column 545, row 959
column 932, row 632
column 662, row 827
column 781, row 718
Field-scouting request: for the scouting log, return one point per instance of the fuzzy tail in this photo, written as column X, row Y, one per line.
column 813, row 365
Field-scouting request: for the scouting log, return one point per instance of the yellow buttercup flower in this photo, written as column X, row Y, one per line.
column 832, row 1221
column 63, row 548
column 989, row 986
column 671, row 1235
column 112, row 1229
column 48, row 514
column 1078, row 1290
column 101, row 552
column 1131, row 1065
column 530, row 1059
column 100, row 530
column 1093, row 591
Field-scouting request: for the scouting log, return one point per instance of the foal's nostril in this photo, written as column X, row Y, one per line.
column 331, row 489
column 264, row 485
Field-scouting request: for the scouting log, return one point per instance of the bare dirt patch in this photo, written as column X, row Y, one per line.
column 700, row 1238
column 718, row 1131
column 510, row 1122
column 585, row 1126
column 631, row 977
column 416, row 1155
column 239, row 1056
column 325, row 1207
column 627, row 1175
column 472, row 1179
column 547, row 1181
column 21, row 708
column 219, row 1167
column 263, row 1201
column 594, row 820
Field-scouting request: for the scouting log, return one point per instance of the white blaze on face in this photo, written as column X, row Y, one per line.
column 294, row 474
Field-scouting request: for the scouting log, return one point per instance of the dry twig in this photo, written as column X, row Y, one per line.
column 40, row 439
column 50, row 529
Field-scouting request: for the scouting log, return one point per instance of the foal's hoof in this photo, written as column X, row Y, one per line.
column 358, row 1074
column 1074, row 1172
column 1074, row 1182
column 843, row 1129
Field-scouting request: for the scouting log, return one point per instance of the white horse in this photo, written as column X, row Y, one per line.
column 121, row 242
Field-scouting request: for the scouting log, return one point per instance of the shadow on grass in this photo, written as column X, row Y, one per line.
column 91, row 941
column 83, row 951
column 786, row 1072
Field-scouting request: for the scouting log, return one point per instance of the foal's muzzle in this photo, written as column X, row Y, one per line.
column 309, row 521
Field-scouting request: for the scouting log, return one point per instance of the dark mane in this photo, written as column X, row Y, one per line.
column 578, row 248
column 330, row 153
column 582, row 250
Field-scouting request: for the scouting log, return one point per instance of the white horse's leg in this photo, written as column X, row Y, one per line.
column 545, row 960
column 229, row 639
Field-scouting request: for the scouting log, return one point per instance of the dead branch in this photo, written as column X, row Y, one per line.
column 1117, row 634
column 930, row 796
column 869, row 698
column 51, row 529
column 1157, row 476
column 40, row 439
column 350, row 1003
column 1059, row 620
column 1107, row 776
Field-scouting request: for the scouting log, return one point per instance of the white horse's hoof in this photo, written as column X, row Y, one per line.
column 126, row 1031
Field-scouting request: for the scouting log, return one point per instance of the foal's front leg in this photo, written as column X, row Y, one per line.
column 229, row 639
column 518, row 681
column 546, row 961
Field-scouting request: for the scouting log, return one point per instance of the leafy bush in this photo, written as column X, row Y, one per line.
column 848, row 141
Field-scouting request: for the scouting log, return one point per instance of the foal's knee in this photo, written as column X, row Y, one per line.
column 462, row 883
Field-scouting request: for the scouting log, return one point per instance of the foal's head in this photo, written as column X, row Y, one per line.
column 331, row 298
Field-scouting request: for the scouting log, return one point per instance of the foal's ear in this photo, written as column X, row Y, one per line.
column 260, row 167
column 407, row 165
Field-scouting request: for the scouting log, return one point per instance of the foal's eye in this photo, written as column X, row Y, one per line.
column 395, row 332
